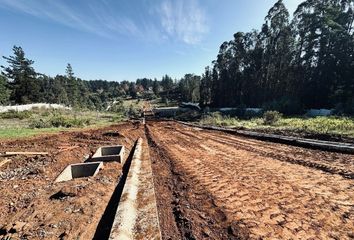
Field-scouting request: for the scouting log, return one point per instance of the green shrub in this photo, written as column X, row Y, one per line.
column 117, row 118
column 285, row 105
column 39, row 123
column 15, row 114
column 271, row 117
column 61, row 121
column 58, row 121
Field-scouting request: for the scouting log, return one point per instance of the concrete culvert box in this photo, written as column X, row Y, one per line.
column 79, row 170
column 109, row 153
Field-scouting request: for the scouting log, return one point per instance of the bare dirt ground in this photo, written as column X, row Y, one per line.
column 208, row 185
column 213, row 185
column 32, row 206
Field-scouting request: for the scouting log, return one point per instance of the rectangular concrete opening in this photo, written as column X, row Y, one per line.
column 109, row 153
column 79, row 171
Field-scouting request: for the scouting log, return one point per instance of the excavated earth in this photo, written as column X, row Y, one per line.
column 32, row 206
column 208, row 185
column 213, row 185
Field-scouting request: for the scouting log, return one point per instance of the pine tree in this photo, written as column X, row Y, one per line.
column 4, row 90
column 24, row 85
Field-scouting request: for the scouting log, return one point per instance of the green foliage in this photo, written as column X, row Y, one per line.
column 4, row 90
column 189, row 87
column 117, row 118
column 271, row 117
column 133, row 112
column 167, row 83
column 285, row 105
column 58, row 121
column 25, row 87
column 217, row 119
column 318, row 125
column 15, row 114
column 324, row 125
column 288, row 66
column 39, row 123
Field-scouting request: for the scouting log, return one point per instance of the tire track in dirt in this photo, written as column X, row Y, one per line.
column 271, row 199
column 331, row 157
column 342, row 164
column 183, row 215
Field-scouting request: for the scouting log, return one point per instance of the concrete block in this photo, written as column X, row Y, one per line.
column 79, row 170
column 109, row 153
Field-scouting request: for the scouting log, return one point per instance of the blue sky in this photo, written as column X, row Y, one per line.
column 126, row 39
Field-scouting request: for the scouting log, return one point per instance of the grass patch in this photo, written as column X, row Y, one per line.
column 11, row 133
column 318, row 125
column 30, row 123
column 14, row 114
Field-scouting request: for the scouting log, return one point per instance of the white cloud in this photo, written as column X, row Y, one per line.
column 98, row 17
column 184, row 20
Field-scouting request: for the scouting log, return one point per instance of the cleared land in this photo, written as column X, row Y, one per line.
column 208, row 185
column 214, row 185
column 32, row 206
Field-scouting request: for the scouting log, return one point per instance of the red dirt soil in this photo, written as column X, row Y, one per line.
column 213, row 185
column 32, row 206
column 208, row 185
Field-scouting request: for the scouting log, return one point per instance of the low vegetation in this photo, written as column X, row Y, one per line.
column 28, row 123
column 274, row 121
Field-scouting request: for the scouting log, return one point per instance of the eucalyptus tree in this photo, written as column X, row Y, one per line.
column 206, row 84
column 278, row 41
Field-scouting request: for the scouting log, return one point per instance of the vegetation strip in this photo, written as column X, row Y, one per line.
column 302, row 142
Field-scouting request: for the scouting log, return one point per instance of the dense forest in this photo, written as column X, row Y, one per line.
column 288, row 65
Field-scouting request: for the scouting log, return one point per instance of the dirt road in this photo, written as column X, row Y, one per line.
column 208, row 185
column 212, row 185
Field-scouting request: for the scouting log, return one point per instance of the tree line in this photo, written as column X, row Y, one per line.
column 21, row 84
column 288, row 65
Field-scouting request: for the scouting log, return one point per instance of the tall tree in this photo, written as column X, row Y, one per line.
column 69, row 71
column 156, row 87
column 189, row 87
column 4, row 90
column 167, row 83
column 206, row 87
column 72, row 87
column 277, row 51
column 25, row 88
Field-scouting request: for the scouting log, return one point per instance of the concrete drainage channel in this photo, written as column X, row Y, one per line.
column 131, row 212
column 136, row 216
